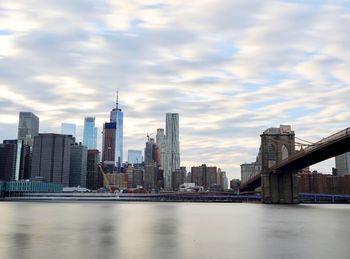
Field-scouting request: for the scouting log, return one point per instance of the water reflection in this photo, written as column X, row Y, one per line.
column 172, row 230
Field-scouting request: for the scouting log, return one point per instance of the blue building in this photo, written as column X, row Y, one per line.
column 90, row 133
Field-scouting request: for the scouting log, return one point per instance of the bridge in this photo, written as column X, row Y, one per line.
column 280, row 163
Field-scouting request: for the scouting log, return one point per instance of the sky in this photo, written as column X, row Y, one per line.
column 231, row 69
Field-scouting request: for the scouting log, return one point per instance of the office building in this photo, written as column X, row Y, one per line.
column 151, row 151
column 78, row 165
column 150, row 177
column 135, row 157
column 342, row 164
column 247, row 171
column 14, row 160
column 90, row 133
column 172, row 147
column 135, row 176
column 204, row 175
column 68, row 129
column 179, row 178
column 113, row 138
column 51, row 158
column 222, row 180
column 28, row 127
column 94, row 179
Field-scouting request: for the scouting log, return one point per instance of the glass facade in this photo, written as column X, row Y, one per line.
column 117, row 116
column 28, row 127
column 24, row 186
column 134, row 157
column 68, row 129
column 90, row 133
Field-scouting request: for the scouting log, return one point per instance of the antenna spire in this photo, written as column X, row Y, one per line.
column 117, row 101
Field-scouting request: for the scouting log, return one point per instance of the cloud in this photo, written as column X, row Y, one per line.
column 230, row 68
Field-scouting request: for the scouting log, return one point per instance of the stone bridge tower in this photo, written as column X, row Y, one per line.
column 276, row 145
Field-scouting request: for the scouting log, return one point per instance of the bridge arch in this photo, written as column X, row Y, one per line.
column 284, row 152
column 271, row 154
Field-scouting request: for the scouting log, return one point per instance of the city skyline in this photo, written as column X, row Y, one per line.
column 229, row 69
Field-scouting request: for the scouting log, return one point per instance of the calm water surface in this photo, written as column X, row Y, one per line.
column 76, row 230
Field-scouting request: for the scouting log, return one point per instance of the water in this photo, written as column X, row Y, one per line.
column 77, row 230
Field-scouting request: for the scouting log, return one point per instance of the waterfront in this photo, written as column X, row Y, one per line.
column 36, row 230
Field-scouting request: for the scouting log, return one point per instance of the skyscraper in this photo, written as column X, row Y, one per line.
column 28, row 127
column 113, row 137
column 14, row 160
column 78, row 164
column 161, row 144
column 51, row 158
column 150, row 151
column 68, row 129
column 94, row 179
column 90, row 133
column 342, row 164
column 172, row 147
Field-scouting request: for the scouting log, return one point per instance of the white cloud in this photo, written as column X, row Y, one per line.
column 230, row 68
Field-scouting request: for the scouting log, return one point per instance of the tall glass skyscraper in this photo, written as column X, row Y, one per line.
column 113, row 140
column 90, row 133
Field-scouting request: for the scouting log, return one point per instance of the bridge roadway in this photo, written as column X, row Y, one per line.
column 324, row 149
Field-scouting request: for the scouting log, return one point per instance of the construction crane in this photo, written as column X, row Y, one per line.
column 105, row 178
column 149, row 135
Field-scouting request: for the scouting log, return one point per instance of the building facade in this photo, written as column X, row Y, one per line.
column 172, row 148
column 90, row 133
column 342, row 164
column 204, row 175
column 51, row 158
column 135, row 157
column 68, row 129
column 150, row 176
column 113, row 141
column 179, row 178
column 28, row 127
column 94, row 179
column 161, row 144
column 78, row 165
column 14, row 160
column 151, row 152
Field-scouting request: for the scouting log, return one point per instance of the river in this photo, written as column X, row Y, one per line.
column 63, row 230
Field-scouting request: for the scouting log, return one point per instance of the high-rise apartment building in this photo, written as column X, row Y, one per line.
column 68, row 129
column 90, row 133
column 172, row 147
column 51, row 158
column 342, row 164
column 113, row 138
column 161, row 144
column 78, row 165
column 28, row 127
column 204, row 175
column 135, row 157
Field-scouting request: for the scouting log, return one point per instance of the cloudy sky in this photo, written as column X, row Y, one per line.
column 231, row 69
